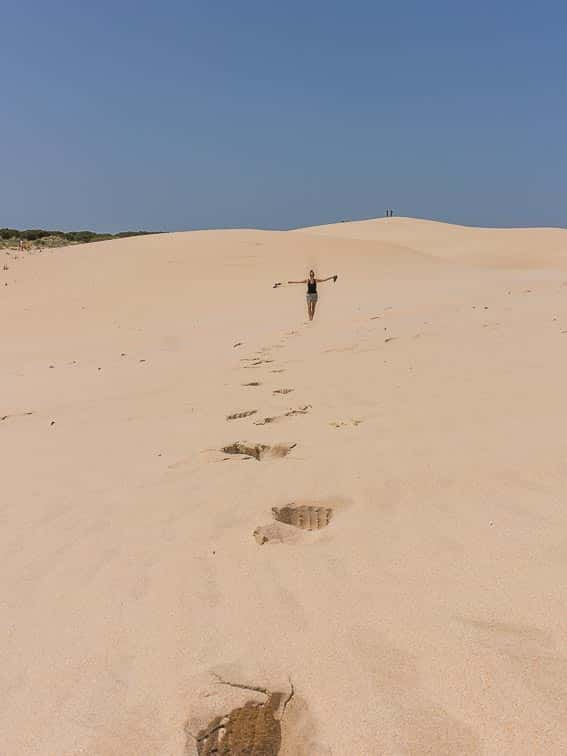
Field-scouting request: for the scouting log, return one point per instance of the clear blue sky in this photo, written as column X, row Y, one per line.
column 187, row 114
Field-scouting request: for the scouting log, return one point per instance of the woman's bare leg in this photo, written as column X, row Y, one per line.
column 313, row 305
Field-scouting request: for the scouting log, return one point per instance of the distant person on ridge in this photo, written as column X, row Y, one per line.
column 312, row 295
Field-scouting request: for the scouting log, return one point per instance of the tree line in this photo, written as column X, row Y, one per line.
column 34, row 234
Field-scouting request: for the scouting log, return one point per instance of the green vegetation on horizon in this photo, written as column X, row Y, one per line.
column 58, row 238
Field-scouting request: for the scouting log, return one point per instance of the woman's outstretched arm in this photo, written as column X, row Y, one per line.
column 330, row 278
column 298, row 282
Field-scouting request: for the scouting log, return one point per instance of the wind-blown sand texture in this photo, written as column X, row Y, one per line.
column 145, row 440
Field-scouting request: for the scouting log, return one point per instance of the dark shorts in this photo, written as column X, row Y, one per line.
column 311, row 297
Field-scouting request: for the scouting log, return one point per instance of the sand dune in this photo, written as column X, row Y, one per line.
column 361, row 517
column 493, row 247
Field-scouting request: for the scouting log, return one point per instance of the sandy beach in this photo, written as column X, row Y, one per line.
column 417, row 426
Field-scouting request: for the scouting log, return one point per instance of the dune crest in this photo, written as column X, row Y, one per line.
column 493, row 247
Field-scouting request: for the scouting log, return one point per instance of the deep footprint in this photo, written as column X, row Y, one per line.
column 252, row 383
column 305, row 517
column 254, row 728
column 258, row 451
column 283, row 391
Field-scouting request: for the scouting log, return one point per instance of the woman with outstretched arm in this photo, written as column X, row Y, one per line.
column 312, row 295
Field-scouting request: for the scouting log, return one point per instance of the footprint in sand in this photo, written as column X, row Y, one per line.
column 291, row 413
column 255, row 362
column 240, row 415
column 267, row 420
column 252, row 383
column 258, row 451
column 254, row 728
column 299, row 411
column 291, row 519
column 282, row 391
column 353, row 422
column 303, row 516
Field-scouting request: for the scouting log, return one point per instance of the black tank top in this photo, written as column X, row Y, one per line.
column 311, row 287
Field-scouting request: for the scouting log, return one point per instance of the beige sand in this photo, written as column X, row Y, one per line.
column 426, row 614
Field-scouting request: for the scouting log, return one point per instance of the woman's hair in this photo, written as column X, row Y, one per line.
column 311, row 272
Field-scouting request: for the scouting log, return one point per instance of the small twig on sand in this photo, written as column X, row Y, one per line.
column 255, row 688
column 288, row 699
